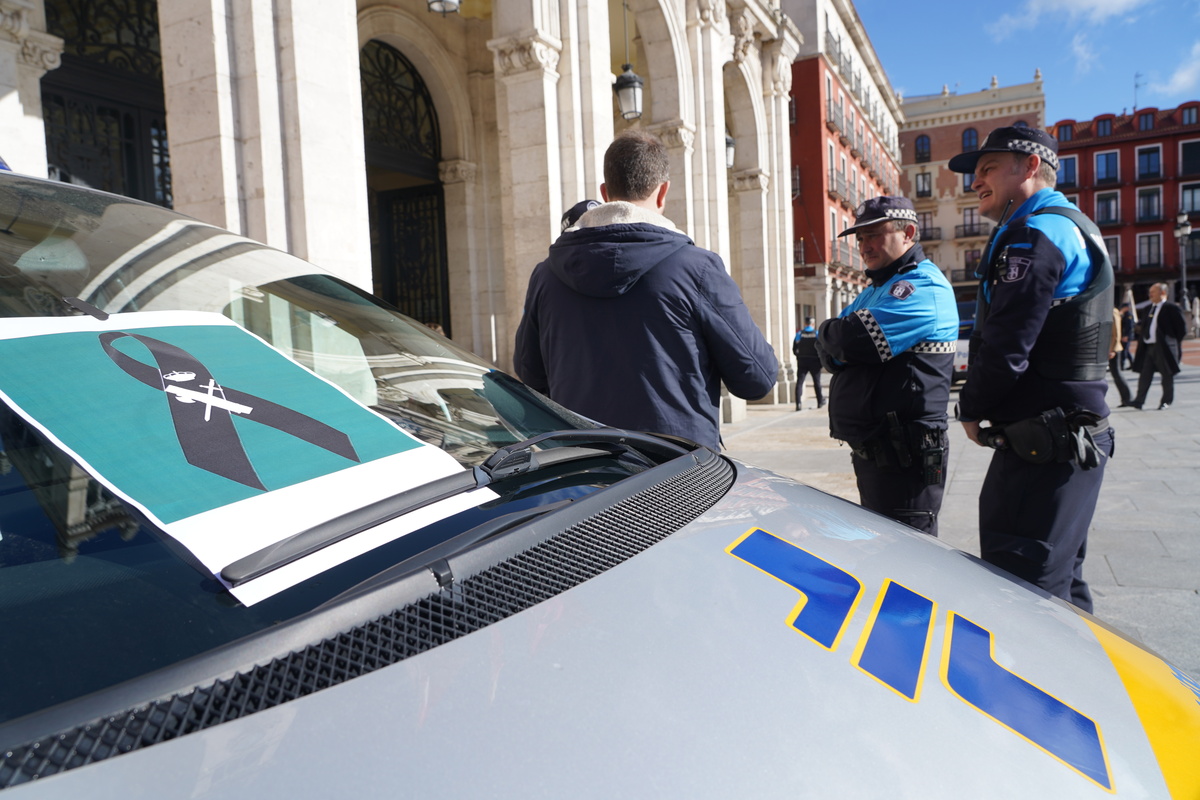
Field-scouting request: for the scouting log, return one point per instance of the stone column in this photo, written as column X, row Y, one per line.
column 264, row 119
column 26, row 53
column 680, row 140
column 709, row 42
column 458, row 187
column 585, row 99
column 777, row 57
column 530, row 174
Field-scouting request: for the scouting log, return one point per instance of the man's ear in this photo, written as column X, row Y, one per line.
column 604, row 191
column 661, row 199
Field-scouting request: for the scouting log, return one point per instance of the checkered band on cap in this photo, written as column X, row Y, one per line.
column 901, row 213
column 1033, row 148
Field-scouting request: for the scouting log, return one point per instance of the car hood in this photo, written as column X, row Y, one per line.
column 785, row 643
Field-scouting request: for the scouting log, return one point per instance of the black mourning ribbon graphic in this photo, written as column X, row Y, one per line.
column 202, row 411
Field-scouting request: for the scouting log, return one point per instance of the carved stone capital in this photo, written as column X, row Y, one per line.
column 14, row 20
column 751, row 180
column 458, row 171
column 744, row 41
column 781, row 76
column 675, row 134
column 534, row 51
column 711, row 12
column 42, row 51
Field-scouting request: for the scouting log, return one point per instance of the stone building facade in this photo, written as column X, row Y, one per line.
column 844, row 149
column 426, row 157
column 935, row 129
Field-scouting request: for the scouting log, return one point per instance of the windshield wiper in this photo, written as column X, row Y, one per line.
column 513, row 459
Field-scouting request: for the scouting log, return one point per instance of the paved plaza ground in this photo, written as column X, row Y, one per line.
column 1143, row 559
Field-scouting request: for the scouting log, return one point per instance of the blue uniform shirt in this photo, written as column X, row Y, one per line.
column 1037, row 261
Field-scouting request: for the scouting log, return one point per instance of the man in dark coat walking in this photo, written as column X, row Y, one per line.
column 629, row 323
column 808, row 362
column 1160, row 347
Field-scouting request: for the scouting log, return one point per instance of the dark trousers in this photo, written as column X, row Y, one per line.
column 804, row 368
column 1034, row 520
column 1155, row 361
column 901, row 493
column 1114, row 369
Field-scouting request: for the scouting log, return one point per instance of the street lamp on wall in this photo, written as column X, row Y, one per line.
column 444, row 7
column 1183, row 229
column 628, row 86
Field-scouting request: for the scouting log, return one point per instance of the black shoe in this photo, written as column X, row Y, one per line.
column 1136, row 404
column 1164, row 406
column 1127, row 404
column 797, row 407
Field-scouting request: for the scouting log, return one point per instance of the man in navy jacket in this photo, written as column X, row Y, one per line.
column 629, row 323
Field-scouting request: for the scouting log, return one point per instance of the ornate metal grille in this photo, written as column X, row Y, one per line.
column 122, row 34
column 103, row 108
column 399, row 121
column 412, row 275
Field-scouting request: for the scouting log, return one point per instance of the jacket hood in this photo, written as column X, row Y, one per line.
column 611, row 247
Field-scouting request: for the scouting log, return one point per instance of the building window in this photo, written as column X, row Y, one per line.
column 1104, row 127
column 1065, row 132
column 1188, row 115
column 925, row 225
column 1192, row 253
column 1073, row 199
column 1148, row 162
column 968, row 179
column 971, row 260
column 1113, row 245
column 1066, row 171
column 924, row 184
column 1107, row 209
column 1020, row 124
column 1107, row 170
column 1149, row 205
column 1149, row 250
column 1189, row 158
column 970, row 140
column 1189, row 198
column 1145, row 122
column 923, row 151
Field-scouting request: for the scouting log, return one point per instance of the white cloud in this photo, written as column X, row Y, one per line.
column 1185, row 78
column 1094, row 12
column 1085, row 55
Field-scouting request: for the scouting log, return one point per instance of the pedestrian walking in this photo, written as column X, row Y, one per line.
column 808, row 363
column 1160, row 348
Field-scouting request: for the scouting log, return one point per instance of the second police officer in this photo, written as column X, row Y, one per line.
column 1039, row 352
column 891, row 353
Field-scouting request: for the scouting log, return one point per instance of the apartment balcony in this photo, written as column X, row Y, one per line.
column 1150, row 216
column 931, row 234
column 961, row 275
column 834, row 120
column 971, row 230
column 843, row 253
column 1108, row 222
column 837, row 185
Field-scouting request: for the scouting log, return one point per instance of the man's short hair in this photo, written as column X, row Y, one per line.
column 901, row 224
column 635, row 164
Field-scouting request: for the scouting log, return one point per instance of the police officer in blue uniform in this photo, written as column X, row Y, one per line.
column 1039, row 352
column 891, row 353
column 808, row 363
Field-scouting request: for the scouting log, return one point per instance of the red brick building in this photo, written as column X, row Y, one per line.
column 1133, row 174
column 844, row 140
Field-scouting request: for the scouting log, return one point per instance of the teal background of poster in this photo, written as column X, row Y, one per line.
column 123, row 428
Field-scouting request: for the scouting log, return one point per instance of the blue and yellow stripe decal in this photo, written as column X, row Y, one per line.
column 970, row 671
column 895, row 646
column 1167, row 702
column 828, row 593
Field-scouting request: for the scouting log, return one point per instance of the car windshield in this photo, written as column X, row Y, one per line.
column 84, row 577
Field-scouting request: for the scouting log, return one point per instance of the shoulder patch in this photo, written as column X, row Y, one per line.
column 1015, row 268
column 901, row 290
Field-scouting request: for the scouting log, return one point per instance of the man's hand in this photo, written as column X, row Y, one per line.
column 972, row 429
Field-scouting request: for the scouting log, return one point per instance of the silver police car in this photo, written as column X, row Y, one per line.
column 263, row 536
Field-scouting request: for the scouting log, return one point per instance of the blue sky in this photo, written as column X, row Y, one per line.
column 1089, row 51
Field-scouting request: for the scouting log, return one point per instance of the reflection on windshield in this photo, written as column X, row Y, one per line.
column 124, row 256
